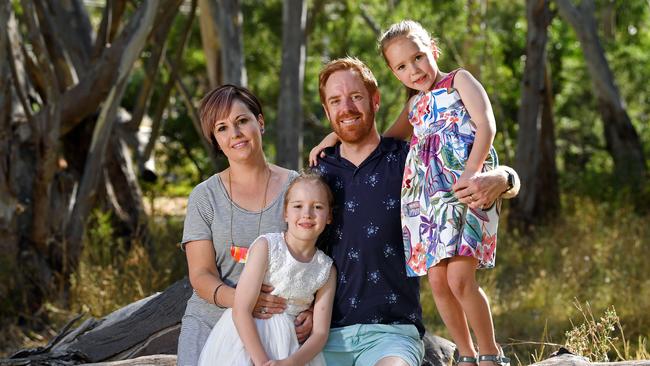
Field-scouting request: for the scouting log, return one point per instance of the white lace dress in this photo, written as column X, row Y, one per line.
column 293, row 280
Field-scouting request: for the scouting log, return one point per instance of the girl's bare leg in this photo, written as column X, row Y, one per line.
column 461, row 276
column 450, row 309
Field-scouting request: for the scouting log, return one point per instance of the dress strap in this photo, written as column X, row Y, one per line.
column 447, row 81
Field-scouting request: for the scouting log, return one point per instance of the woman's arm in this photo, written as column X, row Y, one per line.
column 478, row 106
column 322, row 318
column 204, row 277
column 248, row 289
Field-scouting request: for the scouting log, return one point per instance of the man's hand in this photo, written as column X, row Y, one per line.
column 304, row 323
column 481, row 190
column 268, row 304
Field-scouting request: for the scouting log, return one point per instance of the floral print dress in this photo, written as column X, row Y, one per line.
column 435, row 225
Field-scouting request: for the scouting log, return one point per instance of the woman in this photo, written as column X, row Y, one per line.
column 226, row 213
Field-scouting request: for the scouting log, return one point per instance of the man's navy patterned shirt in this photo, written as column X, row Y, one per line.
column 365, row 239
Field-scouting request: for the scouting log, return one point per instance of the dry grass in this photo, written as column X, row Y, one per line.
column 596, row 253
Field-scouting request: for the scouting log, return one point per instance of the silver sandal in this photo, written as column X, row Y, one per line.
column 466, row 359
column 498, row 360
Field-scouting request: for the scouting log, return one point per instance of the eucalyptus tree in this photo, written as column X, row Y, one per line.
column 535, row 160
column 63, row 82
column 292, row 76
column 622, row 140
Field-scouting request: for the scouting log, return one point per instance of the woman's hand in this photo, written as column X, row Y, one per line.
column 268, row 304
column 304, row 323
column 330, row 140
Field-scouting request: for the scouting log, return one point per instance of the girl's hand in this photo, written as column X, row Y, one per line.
column 330, row 140
column 284, row 362
column 268, row 304
column 304, row 323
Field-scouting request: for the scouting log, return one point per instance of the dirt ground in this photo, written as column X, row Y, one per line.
column 166, row 206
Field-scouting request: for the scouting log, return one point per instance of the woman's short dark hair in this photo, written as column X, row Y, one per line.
column 216, row 106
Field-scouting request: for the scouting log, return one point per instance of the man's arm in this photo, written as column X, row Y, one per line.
column 484, row 188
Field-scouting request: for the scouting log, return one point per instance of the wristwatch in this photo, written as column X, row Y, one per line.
column 510, row 180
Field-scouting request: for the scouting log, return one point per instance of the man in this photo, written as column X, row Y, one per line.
column 377, row 318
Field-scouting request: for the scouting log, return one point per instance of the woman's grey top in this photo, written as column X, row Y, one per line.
column 208, row 218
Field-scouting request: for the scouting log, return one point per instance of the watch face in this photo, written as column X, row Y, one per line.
column 511, row 180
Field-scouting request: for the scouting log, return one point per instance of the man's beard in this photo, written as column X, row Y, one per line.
column 356, row 132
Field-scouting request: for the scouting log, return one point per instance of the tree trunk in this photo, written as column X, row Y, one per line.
column 229, row 24
column 123, row 190
column 210, row 42
column 95, row 160
column 623, row 142
column 535, row 161
column 549, row 204
column 40, row 176
column 290, row 119
column 9, row 207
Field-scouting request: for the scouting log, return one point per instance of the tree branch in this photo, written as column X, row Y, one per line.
column 56, row 50
column 194, row 116
column 86, row 195
column 45, row 133
column 84, row 98
column 14, row 56
column 175, row 65
column 73, row 28
column 158, row 45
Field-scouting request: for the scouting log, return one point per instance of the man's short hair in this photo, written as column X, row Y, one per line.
column 347, row 63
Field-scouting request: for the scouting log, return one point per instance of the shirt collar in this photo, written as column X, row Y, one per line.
column 386, row 144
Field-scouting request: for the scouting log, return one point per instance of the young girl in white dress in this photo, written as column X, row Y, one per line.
column 298, row 271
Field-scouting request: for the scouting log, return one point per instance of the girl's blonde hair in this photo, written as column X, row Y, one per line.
column 310, row 175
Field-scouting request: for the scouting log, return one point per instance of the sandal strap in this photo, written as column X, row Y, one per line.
column 466, row 359
column 497, row 359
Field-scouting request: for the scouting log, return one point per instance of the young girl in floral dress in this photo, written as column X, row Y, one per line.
column 452, row 126
column 450, row 119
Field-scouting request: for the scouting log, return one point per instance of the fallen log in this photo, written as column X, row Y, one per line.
column 153, row 360
column 565, row 358
column 149, row 326
column 146, row 333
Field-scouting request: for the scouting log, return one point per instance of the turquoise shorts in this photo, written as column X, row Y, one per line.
column 366, row 344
